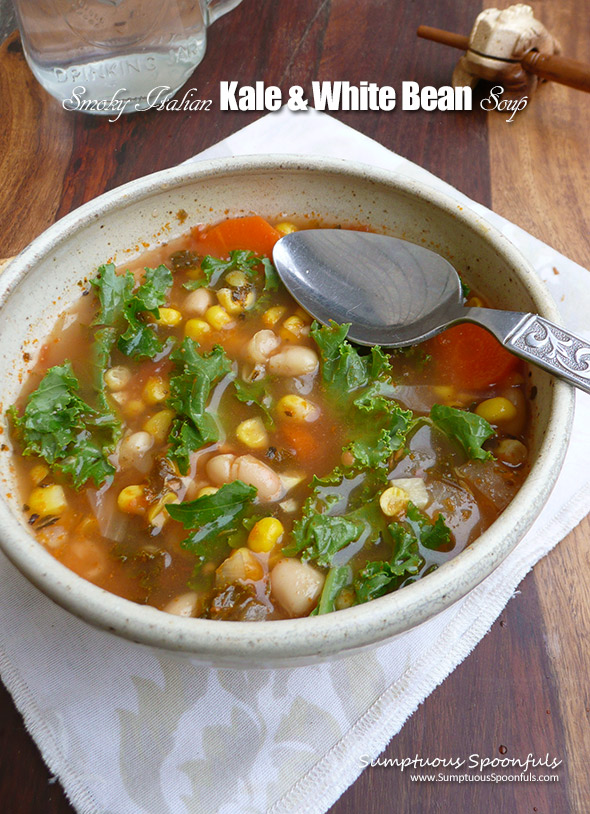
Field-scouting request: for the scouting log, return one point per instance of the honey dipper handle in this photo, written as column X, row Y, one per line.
column 566, row 71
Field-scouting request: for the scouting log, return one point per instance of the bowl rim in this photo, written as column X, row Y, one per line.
column 308, row 637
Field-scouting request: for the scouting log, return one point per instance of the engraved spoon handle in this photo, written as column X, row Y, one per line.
column 538, row 341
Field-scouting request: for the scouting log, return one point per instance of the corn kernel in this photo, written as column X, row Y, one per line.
column 286, row 227
column 195, row 274
column 273, row 315
column 225, row 298
column 474, row 302
column 300, row 312
column 159, row 425
column 133, row 408
column 207, row 490
column 496, row 410
column 48, row 500
column 218, row 317
column 393, row 501
column 511, row 451
column 156, row 515
column 169, row 317
column 131, row 499
column 293, row 328
column 252, row 433
column 237, row 279
column 444, row 392
column 196, row 329
column 265, row 534
column 297, row 408
column 117, row 378
column 38, row 473
column 155, row 390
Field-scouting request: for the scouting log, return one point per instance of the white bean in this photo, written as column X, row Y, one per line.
column 134, row 448
column 218, row 469
column 416, row 490
column 183, row 604
column 197, row 302
column 253, row 472
column 296, row 586
column 262, row 344
column 294, row 361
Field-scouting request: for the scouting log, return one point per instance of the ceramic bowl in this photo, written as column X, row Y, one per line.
column 44, row 280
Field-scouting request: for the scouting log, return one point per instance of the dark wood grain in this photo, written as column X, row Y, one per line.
column 512, row 691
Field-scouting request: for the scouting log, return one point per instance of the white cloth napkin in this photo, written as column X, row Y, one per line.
column 128, row 731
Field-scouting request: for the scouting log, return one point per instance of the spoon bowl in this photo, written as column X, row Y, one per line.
column 395, row 293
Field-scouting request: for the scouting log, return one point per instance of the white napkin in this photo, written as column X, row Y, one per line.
column 128, row 731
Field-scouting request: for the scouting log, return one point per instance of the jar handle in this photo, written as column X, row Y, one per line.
column 217, row 8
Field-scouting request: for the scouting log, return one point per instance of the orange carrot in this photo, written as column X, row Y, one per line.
column 300, row 440
column 469, row 356
column 251, row 233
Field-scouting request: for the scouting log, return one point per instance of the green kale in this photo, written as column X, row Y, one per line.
column 469, row 429
column 120, row 306
column 254, row 393
column 431, row 535
column 212, row 518
column 190, row 390
column 337, row 578
column 59, row 426
column 245, row 261
column 377, row 578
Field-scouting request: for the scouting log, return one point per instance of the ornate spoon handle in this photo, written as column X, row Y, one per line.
column 539, row 341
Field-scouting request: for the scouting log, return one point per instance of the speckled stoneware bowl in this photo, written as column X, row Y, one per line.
column 43, row 281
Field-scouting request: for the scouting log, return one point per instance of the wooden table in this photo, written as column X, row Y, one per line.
column 526, row 685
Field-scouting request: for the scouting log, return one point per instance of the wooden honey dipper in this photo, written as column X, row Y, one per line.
column 511, row 47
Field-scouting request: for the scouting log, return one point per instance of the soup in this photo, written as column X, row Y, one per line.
column 192, row 440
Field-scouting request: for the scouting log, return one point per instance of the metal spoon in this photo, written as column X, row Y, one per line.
column 395, row 293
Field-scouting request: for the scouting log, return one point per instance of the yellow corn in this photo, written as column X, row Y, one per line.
column 296, row 408
column 293, row 328
column 225, row 298
column 196, row 329
column 159, row 425
column 252, row 433
column 286, row 227
column 218, row 317
column 133, row 408
column 169, row 317
column 444, row 392
column 393, row 501
column 116, row 378
column 474, row 302
column 195, row 274
column 48, row 500
column 131, row 499
column 207, row 490
column 237, row 279
column 38, row 473
column 265, row 534
column 155, row 390
column 273, row 315
column 496, row 410
column 156, row 515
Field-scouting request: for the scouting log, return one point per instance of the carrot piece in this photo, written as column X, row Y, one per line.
column 251, row 233
column 469, row 356
column 300, row 440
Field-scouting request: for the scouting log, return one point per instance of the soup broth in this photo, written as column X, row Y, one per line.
column 191, row 440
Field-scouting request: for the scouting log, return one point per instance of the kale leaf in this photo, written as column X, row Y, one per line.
column 211, row 518
column 190, row 390
column 120, row 305
column 245, row 261
column 254, row 393
column 59, row 426
column 430, row 535
column 469, row 429
column 337, row 578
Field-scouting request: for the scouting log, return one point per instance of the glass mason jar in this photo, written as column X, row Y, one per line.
column 133, row 51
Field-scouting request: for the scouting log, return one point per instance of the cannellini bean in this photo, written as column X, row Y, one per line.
column 415, row 489
column 183, row 604
column 133, row 451
column 86, row 558
column 239, row 566
column 296, row 586
column 512, row 451
column 294, row 361
column 253, row 472
column 198, row 302
column 262, row 344
column 218, row 468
